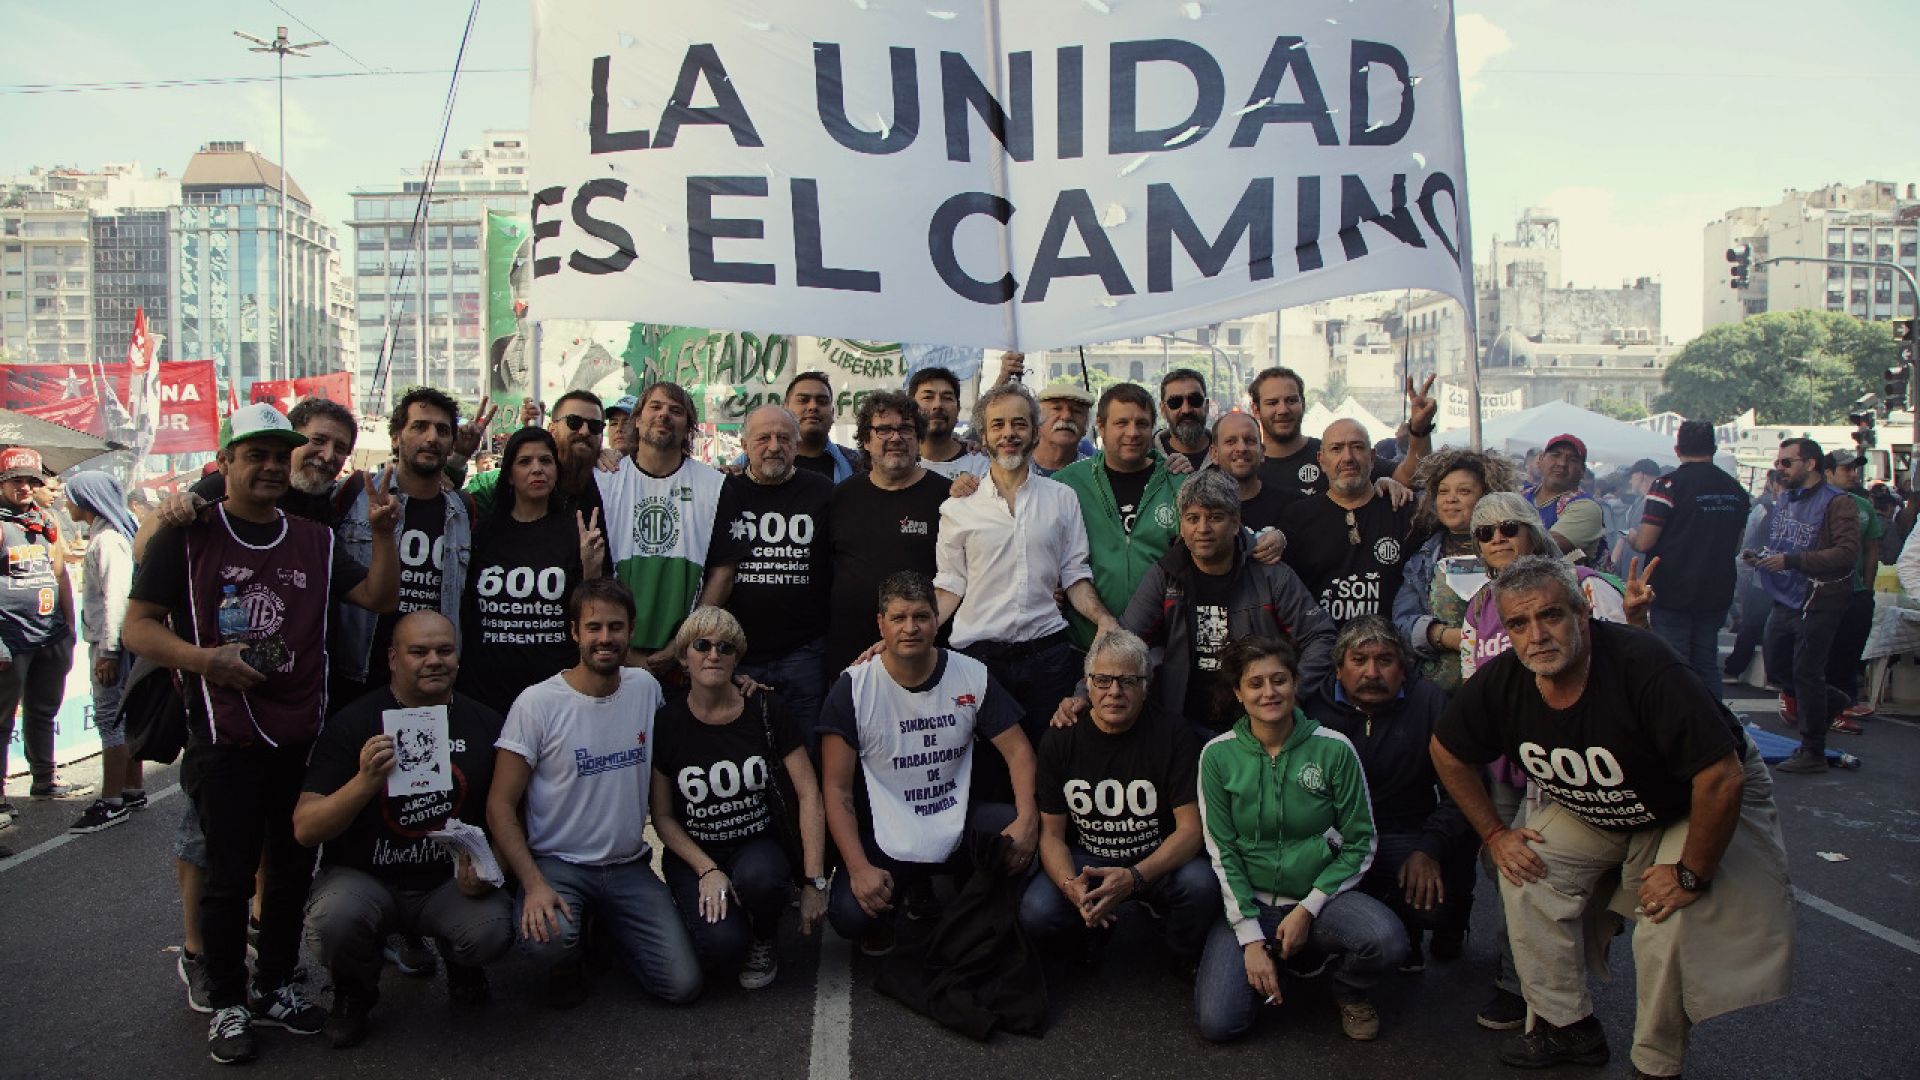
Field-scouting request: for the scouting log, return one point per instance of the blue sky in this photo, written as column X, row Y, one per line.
column 1636, row 122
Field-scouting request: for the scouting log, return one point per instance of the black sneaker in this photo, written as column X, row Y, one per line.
column 1504, row 1011
column 56, row 790
column 1803, row 762
column 230, row 1036
column 878, row 940
column 134, row 798
column 1583, row 1042
column 762, row 964
column 347, row 1023
column 100, row 817
column 1447, row 945
column 193, row 974
column 920, row 903
column 287, row 1007
column 467, row 986
column 1415, row 961
column 410, row 956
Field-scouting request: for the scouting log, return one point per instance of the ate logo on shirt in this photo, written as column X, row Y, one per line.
column 656, row 525
column 1309, row 473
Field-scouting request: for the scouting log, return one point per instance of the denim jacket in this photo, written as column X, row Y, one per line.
column 352, row 646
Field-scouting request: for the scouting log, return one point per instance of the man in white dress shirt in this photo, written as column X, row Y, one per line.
column 1004, row 553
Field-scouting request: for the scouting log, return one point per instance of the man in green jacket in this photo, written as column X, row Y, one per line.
column 1126, row 499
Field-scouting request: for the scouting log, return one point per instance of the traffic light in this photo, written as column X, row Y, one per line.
column 1893, row 386
column 1906, row 335
column 1742, row 259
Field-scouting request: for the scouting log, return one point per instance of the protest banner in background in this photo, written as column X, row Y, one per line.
column 1014, row 175
column 189, row 418
column 1453, row 404
column 509, row 344
column 731, row 373
column 284, row 394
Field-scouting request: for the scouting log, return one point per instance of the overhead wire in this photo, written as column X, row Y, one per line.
column 318, row 33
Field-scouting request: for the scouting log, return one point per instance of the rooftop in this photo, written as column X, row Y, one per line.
column 228, row 165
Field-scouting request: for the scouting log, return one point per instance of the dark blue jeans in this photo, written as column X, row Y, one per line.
column 635, row 910
column 1696, row 637
column 845, row 913
column 1363, row 938
column 801, row 685
column 1383, row 884
column 1801, row 643
column 1037, row 683
column 761, row 880
column 1189, row 898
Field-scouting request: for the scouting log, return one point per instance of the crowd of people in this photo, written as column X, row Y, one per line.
column 1286, row 698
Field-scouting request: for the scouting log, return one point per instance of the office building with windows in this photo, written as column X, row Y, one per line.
column 1872, row 222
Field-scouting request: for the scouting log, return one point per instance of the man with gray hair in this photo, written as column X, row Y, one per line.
column 1205, row 592
column 1423, row 859
column 1003, row 552
column 1646, row 777
column 1120, row 816
column 771, row 564
column 1348, row 544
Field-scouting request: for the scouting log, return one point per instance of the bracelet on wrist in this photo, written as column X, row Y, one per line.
column 1490, row 837
column 708, row 870
column 1139, row 879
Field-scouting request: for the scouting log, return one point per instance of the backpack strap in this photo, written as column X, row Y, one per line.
column 346, row 492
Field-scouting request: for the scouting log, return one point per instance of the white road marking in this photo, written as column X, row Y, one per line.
column 1858, row 922
column 832, row 1055
column 65, row 838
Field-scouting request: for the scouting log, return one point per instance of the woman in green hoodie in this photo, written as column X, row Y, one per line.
column 1289, row 828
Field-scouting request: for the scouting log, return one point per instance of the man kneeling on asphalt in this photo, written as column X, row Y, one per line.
column 380, row 873
column 908, row 721
column 1647, row 777
column 1423, row 862
column 1120, row 816
column 578, row 747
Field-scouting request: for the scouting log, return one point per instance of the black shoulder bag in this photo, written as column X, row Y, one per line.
column 782, row 803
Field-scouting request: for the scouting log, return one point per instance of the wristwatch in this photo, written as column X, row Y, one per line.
column 818, row 883
column 1689, row 880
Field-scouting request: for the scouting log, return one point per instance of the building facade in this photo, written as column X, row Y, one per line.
column 129, row 275
column 46, row 277
column 1876, row 221
column 398, row 308
column 224, row 258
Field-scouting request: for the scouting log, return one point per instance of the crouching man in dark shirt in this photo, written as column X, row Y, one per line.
column 380, row 874
column 1424, row 863
column 1644, row 775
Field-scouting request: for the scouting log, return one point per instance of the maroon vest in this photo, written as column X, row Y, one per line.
column 284, row 587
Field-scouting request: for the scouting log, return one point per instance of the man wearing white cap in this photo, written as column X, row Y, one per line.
column 1065, row 406
column 36, row 624
column 247, row 593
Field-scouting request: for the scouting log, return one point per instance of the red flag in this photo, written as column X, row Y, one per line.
column 233, row 401
column 140, row 349
column 188, row 405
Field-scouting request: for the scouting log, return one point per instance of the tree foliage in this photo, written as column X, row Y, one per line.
column 1788, row 366
column 1618, row 408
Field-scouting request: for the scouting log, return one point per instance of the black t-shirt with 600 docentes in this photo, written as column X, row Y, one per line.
column 1118, row 790
column 778, row 538
column 1350, row 570
column 1621, row 757
column 719, row 773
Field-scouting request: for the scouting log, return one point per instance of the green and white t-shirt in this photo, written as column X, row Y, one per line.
column 658, row 528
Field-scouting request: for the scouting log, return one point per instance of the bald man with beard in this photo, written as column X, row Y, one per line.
column 1348, row 544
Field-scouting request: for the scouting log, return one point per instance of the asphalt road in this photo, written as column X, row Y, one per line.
column 89, row 925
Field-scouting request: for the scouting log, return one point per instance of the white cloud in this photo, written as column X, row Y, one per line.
column 1478, row 40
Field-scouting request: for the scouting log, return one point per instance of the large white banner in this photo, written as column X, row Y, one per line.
column 1017, row 175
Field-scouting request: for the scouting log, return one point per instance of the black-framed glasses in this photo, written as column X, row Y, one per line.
column 1194, row 400
column 888, row 431
column 1508, row 529
column 702, row 645
column 577, row 422
column 1128, row 683
column 1353, row 530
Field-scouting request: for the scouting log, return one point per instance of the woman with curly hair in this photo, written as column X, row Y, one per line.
column 1427, row 612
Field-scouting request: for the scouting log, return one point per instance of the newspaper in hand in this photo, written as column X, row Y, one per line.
column 461, row 838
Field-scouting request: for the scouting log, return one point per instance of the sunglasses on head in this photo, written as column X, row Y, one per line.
column 702, row 645
column 1192, row 401
column 1508, row 529
column 578, row 422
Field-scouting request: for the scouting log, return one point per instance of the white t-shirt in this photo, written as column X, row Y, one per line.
column 592, row 763
column 915, row 746
column 971, row 462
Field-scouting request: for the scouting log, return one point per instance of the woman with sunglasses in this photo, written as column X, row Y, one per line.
column 722, row 812
column 528, row 554
column 1427, row 611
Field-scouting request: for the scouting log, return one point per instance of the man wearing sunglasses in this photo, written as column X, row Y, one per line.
column 1807, row 569
column 771, row 560
column 1185, row 442
column 579, row 430
column 1120, row 816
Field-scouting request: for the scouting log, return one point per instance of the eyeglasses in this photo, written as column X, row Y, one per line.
column 1789, row 462
column 702, row 645
column 1508, row 529
column 889, row 431
column 1192, row 401
column 1353, row 530
column 1127, row 683
column 578, row 422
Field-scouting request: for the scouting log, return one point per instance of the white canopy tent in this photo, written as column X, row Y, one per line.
column 1610, row 443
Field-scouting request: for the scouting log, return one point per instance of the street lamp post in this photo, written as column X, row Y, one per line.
column 281, row 49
